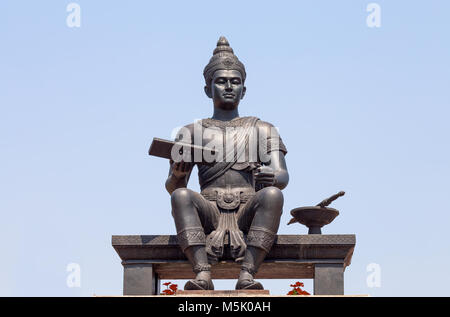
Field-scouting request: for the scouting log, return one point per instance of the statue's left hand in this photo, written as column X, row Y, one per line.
column 265, row 176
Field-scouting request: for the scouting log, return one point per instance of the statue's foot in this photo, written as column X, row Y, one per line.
column 246, row 281
column 201, row 282
column 199, row 285
column 248, row 284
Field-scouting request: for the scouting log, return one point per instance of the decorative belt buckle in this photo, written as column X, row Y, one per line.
column 228, row 200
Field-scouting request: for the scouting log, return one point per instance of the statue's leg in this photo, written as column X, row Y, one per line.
column 193, row 216
column 264, row 212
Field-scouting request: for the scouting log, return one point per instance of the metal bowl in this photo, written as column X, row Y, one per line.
column 314, row 217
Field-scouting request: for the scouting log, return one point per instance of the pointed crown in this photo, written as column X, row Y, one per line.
column 223, row 59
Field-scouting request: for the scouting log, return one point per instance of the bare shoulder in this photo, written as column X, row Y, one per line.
column 185, row 133
column 190, row 127
column 267, row 126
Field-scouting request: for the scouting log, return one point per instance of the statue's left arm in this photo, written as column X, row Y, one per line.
column 273, row 171
column 278, row 165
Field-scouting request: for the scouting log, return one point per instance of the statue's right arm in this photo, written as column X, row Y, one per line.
column 179, row 174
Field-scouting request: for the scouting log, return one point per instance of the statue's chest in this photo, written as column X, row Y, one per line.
column 216, row 137
column 229, row 147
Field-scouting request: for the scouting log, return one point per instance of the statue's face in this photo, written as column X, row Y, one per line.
column 227, row 89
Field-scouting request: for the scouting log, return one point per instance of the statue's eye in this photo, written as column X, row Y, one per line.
column 236, row 81
column 220, row 81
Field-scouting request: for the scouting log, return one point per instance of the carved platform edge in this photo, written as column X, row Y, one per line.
column 165, row 249
column 168, row 240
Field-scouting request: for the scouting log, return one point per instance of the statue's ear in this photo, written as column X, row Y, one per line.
column 208, row 91
column 243, row 92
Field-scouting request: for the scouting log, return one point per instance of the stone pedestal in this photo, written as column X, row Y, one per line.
column 148, row 259
column 139, row 278
column 328, row 279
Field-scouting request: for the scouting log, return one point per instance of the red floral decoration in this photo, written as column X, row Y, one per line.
column 171, row 289
column 297, row 289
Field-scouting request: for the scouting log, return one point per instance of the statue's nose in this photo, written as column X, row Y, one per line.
column 228, row 85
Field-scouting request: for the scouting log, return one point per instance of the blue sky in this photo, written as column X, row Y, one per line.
column 360, row 109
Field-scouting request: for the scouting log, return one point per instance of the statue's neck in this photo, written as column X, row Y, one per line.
column 225, row 115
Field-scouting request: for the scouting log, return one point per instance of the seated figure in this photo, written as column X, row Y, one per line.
column 240, row 198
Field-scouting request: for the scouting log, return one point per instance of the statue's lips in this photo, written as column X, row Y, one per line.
column 228, row 95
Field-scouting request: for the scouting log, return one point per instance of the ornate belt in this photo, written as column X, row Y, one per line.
column 228, row 198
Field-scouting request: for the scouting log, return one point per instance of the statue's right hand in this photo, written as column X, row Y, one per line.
column 180, row 169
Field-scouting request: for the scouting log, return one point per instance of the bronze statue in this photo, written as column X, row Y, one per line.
column 240, row 198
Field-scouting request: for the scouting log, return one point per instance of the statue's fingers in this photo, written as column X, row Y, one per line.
column 265, row 184
column 266, row 180
column 267, row 176
column 264, row 175
column 186, row 166
column 178, row 166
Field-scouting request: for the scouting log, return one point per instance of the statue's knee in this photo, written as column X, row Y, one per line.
column 273, row 193
column 272, row 197
column 180, row 197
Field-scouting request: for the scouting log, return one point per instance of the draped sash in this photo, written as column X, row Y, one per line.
column 209, row 173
